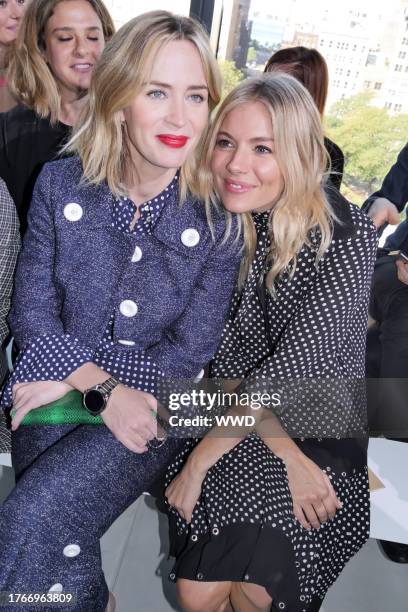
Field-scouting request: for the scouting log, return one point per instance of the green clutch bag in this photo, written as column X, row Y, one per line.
column 68, row 410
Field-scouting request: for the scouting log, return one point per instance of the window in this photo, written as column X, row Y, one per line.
column 123, row 10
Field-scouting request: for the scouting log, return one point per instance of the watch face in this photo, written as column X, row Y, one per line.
column 94, row 401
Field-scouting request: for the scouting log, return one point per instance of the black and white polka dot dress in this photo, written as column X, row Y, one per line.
column 243, row 527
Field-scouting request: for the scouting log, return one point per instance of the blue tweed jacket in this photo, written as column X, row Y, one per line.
column 168, row 290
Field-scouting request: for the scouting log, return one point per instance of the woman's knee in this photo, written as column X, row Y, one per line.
column 256, row 596
column 202, row 596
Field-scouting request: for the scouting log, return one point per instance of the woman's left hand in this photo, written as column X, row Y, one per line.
column 184, row 491
column 31, row 395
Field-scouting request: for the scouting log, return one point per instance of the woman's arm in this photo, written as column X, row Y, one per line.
column 314, row 499
column 59, row 360
column 384, row 205
column 303, row 351
column 192, row 340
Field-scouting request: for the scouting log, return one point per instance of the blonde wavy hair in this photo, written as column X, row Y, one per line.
column 124, row 67
column 302, row 208
column 30, row 78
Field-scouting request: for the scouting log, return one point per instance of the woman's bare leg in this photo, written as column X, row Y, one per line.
column 111, row 607
column 204, row 596
column 248, row 597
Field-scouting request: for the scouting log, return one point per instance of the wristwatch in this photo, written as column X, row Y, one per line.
column 95, row 399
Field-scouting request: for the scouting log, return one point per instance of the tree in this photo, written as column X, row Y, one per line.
column 251, row 57
column 231, row 76
column 369, row 137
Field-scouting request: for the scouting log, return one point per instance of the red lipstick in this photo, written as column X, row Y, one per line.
column 171, row 140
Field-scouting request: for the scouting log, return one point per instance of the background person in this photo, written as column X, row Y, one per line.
column 9, row 248
column 309, row 67
column 59, row 44
column 273, row 516
column 11, row 12
column 387, row 339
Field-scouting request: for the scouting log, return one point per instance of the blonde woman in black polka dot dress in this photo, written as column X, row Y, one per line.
column 266, row 519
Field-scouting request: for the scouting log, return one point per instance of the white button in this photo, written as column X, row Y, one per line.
column 137, row 255
column 72, row 550
column 199, row 375
column 127, row 342
column 73, row 211
column 56, row 588
column 190, row 237
column 128, row 308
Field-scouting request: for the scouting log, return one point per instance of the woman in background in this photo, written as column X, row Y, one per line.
column 58, row 46
column 271, row 516
column 309, row 67
column 9, row 248
column 11, row 12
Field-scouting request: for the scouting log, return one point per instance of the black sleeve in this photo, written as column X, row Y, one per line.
column 395, row 184
column 314, row 403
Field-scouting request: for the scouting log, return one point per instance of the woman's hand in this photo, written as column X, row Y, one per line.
column 314, row 499
column 184, row 491
column 383, row 211
column 130, row 415
column 31, row 395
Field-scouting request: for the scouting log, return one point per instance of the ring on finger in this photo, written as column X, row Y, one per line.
column 156, row 442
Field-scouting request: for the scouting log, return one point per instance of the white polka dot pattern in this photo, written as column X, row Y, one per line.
column 124, row 211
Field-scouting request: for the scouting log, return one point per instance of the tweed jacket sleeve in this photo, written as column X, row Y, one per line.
column 9, row 248
column 190, row 343
column 35, row 318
